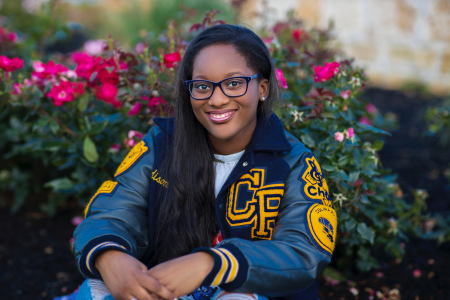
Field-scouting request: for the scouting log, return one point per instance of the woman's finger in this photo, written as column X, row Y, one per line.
column 154, row 286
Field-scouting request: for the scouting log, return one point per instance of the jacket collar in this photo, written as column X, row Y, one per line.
column 268, row 136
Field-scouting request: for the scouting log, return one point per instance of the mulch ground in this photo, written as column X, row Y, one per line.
column 36, row 260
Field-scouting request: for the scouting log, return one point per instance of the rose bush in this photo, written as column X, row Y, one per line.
column 66, row 124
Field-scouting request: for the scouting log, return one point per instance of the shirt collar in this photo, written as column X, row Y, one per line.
column 268, row 136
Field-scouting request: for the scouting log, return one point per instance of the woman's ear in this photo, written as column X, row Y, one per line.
column 263, row 89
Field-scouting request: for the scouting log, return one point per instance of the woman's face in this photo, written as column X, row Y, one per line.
column 230, row 121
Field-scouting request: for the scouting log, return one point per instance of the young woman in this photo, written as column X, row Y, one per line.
column 223, row 168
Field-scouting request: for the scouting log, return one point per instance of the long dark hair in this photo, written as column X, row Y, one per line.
column 184, row 213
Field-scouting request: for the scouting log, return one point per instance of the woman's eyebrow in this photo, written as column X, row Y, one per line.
column 231, row 74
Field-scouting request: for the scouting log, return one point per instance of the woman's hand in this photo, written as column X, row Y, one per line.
column 184, row 274
column 128, row 278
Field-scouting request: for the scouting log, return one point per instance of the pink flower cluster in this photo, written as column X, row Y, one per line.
column 132, row 139
column 300, row 35
column 281, row 80
column 152, row 103
column 10, row 64
column 100, row 74
column 171, row 60
column 340, row 136
column 324, row 73
column 63, row 90
column 7, row 36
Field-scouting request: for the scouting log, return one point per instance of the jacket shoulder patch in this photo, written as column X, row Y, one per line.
column 322, row 225
column 107, row 187
column 314, row 185
column 132, row 157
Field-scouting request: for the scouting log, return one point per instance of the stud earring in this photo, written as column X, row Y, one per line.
column 263, row 98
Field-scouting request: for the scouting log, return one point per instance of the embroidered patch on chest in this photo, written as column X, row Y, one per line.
column 314, row 185
column 253, row 202
column 132, row 157
column 322, row 224
column 107, row 187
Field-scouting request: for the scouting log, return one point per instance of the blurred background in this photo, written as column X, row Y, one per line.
column 403, row 46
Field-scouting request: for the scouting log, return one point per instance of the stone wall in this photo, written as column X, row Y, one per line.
column 396, row 41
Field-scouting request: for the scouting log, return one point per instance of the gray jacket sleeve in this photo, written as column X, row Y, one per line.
column 116, row 216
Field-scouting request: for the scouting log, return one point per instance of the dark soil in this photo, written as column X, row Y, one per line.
column 36, row 260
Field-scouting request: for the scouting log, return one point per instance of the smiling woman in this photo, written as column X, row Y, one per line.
column 219, row 202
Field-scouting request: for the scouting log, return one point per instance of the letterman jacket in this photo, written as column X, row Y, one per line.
column 274, row 213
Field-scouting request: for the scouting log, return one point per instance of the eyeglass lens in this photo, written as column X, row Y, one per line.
column 233, row 87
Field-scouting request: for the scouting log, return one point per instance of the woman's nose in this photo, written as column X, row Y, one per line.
column 218, row 98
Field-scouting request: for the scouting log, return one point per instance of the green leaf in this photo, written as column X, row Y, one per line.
column 42, row 122
column 83, row 102
column 343, row 160
column 60, row 184
column 90, row 150
column 54, row 126
column 308, row 141
column 350, row 224
column 329, row 168
column 353, row 176
column 378, row 145
column 365, row 232
column 373, row 129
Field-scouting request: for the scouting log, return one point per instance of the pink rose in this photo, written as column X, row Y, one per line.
column 10, row 64
column 77, row 220
column 351, row 132
column 171, row 59
column 297, row 34
column 324, row 73
column 86, row 64
column 371, row 109
column 338, row 136
column 155, row 101
column 139, row 48
column 106, row 76
column 365, row 120
column 94, row 47
column 135, row 109
column 345, row 94
column 107, row 92
column 135, row 134
column 281, row 80
column 17, row 89
column 62, row 92
column 114, row 148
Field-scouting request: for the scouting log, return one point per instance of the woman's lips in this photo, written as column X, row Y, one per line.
column 221, row 116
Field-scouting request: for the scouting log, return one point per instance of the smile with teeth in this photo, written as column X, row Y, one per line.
column 220, row 117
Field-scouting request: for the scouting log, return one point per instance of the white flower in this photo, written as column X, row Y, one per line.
column 339, row 198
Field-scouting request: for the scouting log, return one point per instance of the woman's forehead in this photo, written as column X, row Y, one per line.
column 220, row 61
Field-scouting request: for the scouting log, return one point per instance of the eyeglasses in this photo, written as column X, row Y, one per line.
column 231, row 87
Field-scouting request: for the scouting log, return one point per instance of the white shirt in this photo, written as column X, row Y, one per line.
column 223, row 165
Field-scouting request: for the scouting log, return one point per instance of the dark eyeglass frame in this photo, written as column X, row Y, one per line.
column 187, row 83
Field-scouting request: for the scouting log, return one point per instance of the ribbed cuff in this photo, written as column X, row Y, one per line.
column 94, row 248
column 230, row 267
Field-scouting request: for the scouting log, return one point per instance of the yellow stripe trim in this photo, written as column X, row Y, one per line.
column 106, row 188
column 95, row 248
column 218, row 279
column 234, row 265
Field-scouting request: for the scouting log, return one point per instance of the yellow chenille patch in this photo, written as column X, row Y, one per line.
column 322, row 223
column 261, row 203
column 132, row 157
column 107, row 187
column 315, row 186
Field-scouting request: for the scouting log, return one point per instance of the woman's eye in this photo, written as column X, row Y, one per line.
column 234, row 83
column 201, row 86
